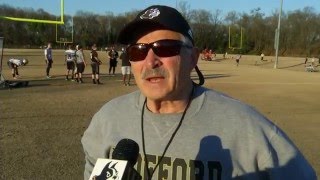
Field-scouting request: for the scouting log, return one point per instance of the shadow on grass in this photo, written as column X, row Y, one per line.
column 19, row 84
column 291, row 66
column 264, row 63
column 210, row 76
column 59, row 81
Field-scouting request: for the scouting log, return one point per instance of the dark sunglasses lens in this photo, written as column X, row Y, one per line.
column 137, row 52
column 162, row 48
column 167, row 48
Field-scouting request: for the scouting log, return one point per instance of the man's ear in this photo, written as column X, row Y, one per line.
column 195, row 56
column 194, row 62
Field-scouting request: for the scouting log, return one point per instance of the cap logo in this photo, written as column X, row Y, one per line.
column 190, row 33
column 150, row 13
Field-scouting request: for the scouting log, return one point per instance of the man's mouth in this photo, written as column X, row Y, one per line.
column 154, row 79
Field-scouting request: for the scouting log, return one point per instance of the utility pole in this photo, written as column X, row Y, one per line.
column 277, row 36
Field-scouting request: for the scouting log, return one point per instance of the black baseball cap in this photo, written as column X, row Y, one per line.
column 154, row 18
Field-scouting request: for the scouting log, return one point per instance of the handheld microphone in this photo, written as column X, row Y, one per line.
column 124, row 157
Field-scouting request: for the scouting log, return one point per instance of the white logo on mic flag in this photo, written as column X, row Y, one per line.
column 109, row 169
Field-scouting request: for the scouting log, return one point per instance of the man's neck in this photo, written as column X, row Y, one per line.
column 170, row 105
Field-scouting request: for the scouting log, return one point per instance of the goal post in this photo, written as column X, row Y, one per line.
column 39, row 20
column 64, row 40
column 235, row 42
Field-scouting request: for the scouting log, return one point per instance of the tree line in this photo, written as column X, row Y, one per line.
column 233, row 32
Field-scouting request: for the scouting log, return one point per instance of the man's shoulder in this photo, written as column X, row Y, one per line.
column 214, row 95
column 237, row 114
column 227, row 103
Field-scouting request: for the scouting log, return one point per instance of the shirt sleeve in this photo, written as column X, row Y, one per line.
column 94, row 143
column 284, row 161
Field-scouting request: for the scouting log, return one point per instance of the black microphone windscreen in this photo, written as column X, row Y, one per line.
column 128, row 150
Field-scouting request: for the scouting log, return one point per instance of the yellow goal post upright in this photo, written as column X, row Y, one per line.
column 233, row 39
column 64, row 40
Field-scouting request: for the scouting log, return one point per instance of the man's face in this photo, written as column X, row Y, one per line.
column 164, row 78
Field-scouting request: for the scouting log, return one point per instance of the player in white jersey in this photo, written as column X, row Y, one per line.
column 70, row 55
column 14, row 63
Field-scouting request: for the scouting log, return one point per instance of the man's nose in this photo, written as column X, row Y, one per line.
column 152, row 60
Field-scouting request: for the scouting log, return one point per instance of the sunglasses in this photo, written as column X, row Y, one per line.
column 162, row 48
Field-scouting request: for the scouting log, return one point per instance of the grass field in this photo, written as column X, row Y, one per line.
column 41, row 125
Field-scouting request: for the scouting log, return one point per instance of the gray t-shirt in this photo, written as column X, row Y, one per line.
column 220, row 138
column 79, row 57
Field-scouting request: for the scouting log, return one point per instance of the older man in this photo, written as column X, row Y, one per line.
column 186, row 131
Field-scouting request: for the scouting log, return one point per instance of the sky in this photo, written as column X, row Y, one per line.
column 121, row 6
